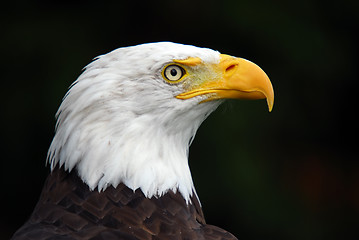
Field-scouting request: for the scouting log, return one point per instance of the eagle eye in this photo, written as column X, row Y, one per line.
column 174, row 73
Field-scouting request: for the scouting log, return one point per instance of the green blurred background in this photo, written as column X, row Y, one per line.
column 289, row 174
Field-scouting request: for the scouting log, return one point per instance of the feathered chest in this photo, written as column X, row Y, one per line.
column 67, row 207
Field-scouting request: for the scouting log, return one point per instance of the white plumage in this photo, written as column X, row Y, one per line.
column 120, row 121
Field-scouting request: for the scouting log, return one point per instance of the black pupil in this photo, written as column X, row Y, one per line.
column 173, row 72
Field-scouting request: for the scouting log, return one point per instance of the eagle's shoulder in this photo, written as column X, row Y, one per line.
column 68, row 209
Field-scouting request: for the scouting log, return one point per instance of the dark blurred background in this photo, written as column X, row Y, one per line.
column 289, row 174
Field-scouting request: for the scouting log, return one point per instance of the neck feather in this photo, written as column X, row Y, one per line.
column 141, row 152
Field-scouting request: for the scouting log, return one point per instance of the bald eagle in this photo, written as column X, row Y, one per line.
column 119, row 157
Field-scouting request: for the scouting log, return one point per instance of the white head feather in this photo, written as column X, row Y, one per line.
column 120, row 122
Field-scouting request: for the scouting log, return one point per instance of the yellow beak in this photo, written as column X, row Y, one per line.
column 239, row 79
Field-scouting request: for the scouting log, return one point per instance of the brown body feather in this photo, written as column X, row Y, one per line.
column 68, row 209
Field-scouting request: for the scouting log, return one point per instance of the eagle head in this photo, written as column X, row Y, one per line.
column 132, row 114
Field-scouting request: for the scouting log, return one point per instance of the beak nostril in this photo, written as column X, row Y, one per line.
column 231, row 69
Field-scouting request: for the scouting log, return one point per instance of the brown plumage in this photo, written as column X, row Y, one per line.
column 68, row 209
